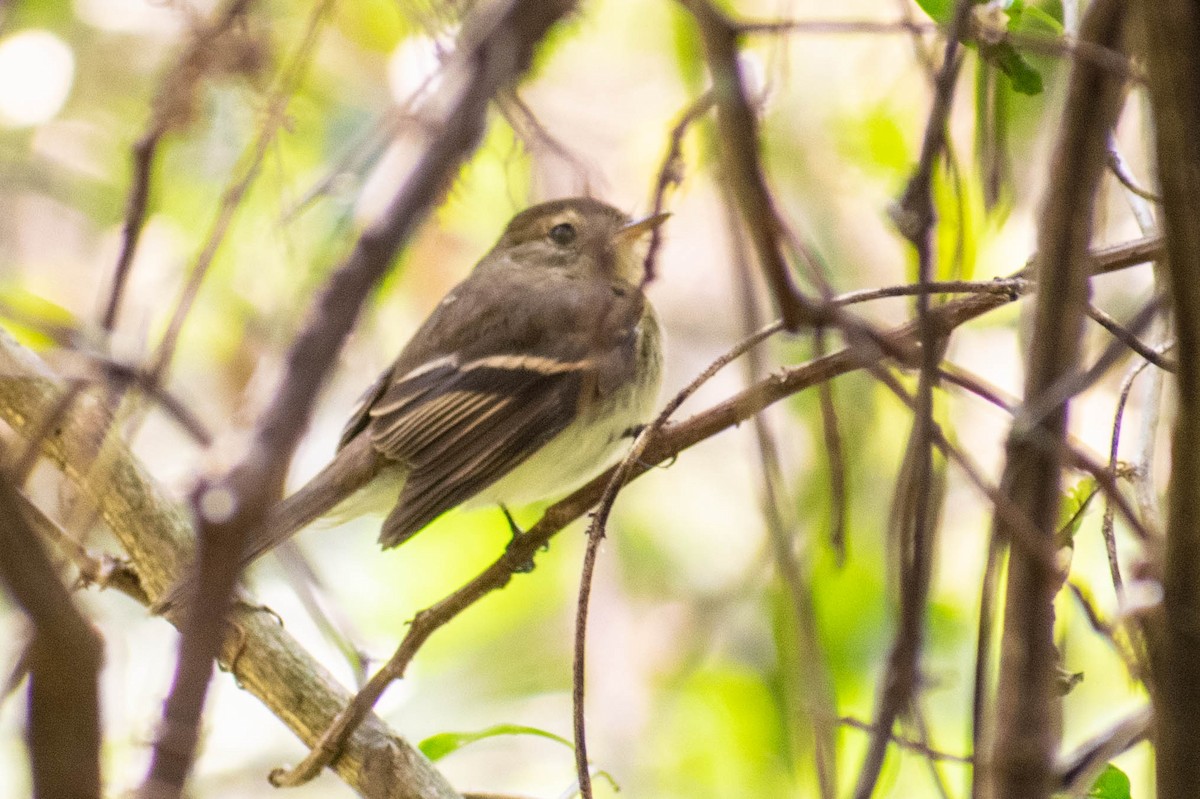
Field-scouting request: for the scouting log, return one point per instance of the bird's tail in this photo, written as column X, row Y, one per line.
column 350, row 470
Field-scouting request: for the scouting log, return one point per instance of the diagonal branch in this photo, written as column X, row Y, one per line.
column 737, row 130
column 495, row 48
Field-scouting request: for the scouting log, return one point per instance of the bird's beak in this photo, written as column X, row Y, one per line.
column 640, row 227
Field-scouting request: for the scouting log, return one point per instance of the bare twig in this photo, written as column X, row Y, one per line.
column 670, row 174
column 247, row 172
column 836, row 26
column 1107, row 525
column 915, row 509
column 1075, row 381
column 1120, row 170
column 905, row 743
column 174, row 94
column 1127, row 337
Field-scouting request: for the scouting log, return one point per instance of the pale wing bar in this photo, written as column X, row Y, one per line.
column 459, row 429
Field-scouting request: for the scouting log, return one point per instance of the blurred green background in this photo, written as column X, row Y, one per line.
column 698, row 676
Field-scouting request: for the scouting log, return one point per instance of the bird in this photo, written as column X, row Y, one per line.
column 520, row 385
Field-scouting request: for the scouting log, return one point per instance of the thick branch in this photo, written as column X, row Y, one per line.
column 1027, row 724
column 1172, row 30
column 62, row 727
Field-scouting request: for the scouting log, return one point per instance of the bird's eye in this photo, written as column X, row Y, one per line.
column 562, row 234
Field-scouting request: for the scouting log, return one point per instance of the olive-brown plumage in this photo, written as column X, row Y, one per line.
column 520, row 385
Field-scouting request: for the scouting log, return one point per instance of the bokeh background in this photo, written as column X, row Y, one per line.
column 696, row 684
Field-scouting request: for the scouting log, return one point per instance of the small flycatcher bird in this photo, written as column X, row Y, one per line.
column 520, row 385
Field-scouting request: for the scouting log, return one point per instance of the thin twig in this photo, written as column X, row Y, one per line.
column 1126, row 337
column 670, row 174
column 101, row 570
column 1074, row 381
column 916, row 519
column 173, row 94
column 1120, row 170
column 906, row 743
column 1107, row 524
column 836, row 26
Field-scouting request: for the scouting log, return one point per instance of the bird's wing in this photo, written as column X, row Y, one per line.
column 460, row 427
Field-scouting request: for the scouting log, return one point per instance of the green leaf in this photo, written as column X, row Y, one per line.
column 1035, row 20
column 1111, row 784
column 33, row 320
column 938, row 10
column 1074, row 507
column 435, row 747
column 1024, row 78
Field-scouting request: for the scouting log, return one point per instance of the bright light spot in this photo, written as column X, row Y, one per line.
column 139, row 16
column 217, row 505
column 36, row 72
column 414, row 63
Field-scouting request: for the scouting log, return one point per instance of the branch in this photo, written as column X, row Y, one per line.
column 917, row 499
column 64, row 657
column 737, row 130
column 1171, row 28
column 1026, row 703
column 157, row 536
